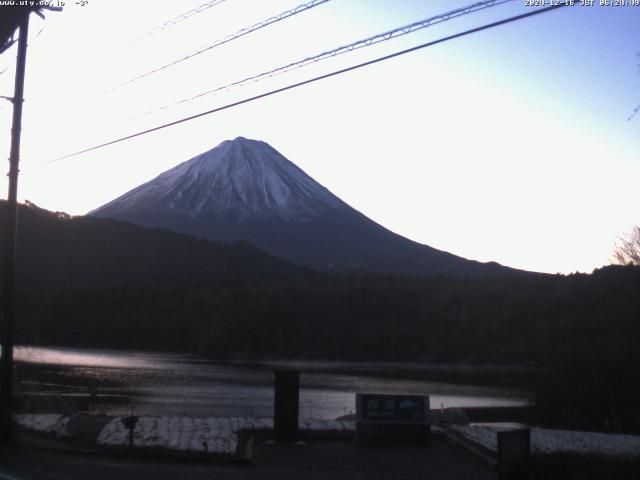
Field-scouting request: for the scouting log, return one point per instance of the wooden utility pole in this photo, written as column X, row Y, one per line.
column 8, row 286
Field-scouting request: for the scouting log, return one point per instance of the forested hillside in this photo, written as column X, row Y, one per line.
column 101, row 283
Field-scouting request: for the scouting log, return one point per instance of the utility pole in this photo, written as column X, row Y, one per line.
column 8, row 286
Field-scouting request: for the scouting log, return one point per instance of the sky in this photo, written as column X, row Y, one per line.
column 511, row 145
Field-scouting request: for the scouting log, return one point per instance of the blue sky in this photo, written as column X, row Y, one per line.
column 511, row 145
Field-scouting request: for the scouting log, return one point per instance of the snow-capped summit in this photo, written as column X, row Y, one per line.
column 245, row 190
column 238, row 180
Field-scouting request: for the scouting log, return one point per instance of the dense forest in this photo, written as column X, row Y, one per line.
column 581, row 330
column 523, row 320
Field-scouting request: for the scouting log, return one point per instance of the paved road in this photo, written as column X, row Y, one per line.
column 315, row 460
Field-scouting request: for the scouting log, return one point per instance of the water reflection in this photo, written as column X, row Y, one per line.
column 116, row 382
column 92, row 358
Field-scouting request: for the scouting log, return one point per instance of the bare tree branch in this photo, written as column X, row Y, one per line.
column 627, row 250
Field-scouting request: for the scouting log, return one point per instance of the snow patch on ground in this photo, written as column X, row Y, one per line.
column 545, row 441
column 185, row 434
column 328, row 425
column 212, row 435
column 47, row 423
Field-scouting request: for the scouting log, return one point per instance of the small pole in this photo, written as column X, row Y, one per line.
column 8, row 286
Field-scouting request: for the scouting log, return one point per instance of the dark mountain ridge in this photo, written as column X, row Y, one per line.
column 57, row 250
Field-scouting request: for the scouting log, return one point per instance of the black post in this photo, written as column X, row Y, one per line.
column 8, row 285
column 514, row 454
column 285, row 415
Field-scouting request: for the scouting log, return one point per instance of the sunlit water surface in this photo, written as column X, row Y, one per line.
column 122, row 382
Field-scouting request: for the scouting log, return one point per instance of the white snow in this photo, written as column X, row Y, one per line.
column 47, row 423
column 213, row 434
column 185, row 434
column 328, row 425
column 240, row 179
column 220, row 434
column 546, row 441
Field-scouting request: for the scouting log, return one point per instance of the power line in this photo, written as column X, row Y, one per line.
column 381, row 37
column 180, row 18
column 240, row 33
column 30, row 44
column 3, row 70
column 35, row 38
column 315, row 79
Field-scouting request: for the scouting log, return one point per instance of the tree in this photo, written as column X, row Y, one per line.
column 627, row 251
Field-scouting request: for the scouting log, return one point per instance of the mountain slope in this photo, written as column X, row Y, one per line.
column 245, row 190
column 55, row 250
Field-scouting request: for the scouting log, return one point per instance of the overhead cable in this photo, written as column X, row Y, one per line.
column 229, row 38
column 180, row 18
column 315, row 79
column 381, row 37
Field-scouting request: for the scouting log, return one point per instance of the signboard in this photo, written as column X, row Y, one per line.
column 392, row 418
column 401, row 408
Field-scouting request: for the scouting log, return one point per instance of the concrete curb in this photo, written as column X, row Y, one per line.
column 489, row 457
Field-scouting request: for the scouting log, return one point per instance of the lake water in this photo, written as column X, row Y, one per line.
column 119, row 382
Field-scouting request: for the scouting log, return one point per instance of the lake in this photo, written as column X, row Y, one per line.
column 122, row 382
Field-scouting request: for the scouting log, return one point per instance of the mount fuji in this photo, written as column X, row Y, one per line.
column 246, row 190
